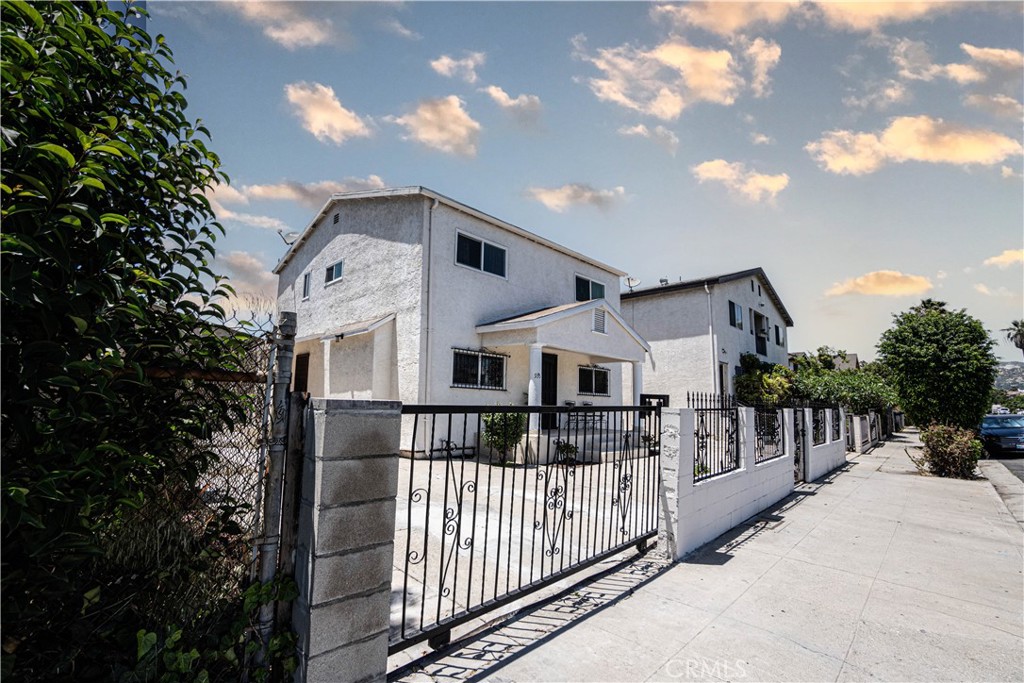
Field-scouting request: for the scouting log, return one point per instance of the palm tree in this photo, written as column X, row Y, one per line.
column 1015, row 334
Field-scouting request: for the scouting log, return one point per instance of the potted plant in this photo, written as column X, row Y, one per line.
column 566, row 452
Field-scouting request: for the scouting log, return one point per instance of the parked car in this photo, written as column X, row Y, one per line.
column 1003, row 433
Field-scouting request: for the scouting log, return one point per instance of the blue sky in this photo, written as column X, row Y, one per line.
column 866, row 155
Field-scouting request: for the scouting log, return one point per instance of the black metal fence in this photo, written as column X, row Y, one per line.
column 769, row 433
column 492, row 507
column 837, row 430
column 715, row 434
column 818, row 426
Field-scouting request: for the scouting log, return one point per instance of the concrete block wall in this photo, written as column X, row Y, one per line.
column 696, row 513
column 862, row 433
column 346, row 540
column 826, row 457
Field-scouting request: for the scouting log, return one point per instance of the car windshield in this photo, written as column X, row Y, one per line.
column 1003, row 421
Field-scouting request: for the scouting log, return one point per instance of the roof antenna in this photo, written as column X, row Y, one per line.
column 288, row 239
column 632, row 282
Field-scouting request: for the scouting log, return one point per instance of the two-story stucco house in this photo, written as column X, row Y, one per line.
column 698, row 329
column 407, row 294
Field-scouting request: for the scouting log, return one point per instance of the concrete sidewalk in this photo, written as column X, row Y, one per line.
column 874, row 573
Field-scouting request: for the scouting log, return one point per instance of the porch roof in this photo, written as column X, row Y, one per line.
column 350, row 329
column 558, row 326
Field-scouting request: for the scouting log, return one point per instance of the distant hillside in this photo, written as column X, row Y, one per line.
column 1011, row 375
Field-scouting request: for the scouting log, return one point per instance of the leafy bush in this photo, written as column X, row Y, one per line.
column 950, row 451
column 856, row 390
column 762, row 382
column 503, row 431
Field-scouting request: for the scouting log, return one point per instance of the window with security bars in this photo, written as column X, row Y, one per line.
column 478, row 370
column 594, row 381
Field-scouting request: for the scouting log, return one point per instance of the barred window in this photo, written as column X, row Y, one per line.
column 478, row 370
column 594, row 381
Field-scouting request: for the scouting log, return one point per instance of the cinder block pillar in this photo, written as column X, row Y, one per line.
column 677, row 452
column 346, row 540
column 789, row 443
column 745, row 432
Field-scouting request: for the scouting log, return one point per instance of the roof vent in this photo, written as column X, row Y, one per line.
column 663, row 281
column 599, row 321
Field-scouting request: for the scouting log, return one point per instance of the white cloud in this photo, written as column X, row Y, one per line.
column 560, row 199
column 999, row 105
column 323, row 115
column 738, row 178
column 659, row 134
column 1008, row 172
column 442, row 124
column 910, row 138
column 726, row 18
column 248, row 275
column 882, row 283
column 761, row 139
column 524, row 108
column 984, row 289
column 914, row 62
column 1000, row 58
column 393, row 25
column 464, row 68
column 284, row 23
column 880, row 96
column 871, row 16
column 763, row 56
column 941, row 275
column 311, row 194
column 1006, row 259
column 218, row 195
column 664, row 80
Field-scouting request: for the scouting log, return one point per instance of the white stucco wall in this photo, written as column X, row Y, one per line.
column 699, row 513
column 826, row 457
column 380, row 241
column 461, row 298
column 686, row 353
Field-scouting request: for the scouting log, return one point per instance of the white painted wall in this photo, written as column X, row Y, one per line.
column 828, row 456
column 700, row 512
column 380, row 241
column 686, row 352
column 461, row 298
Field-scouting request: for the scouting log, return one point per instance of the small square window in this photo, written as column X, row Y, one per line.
column 334, row 272
column 305, row 286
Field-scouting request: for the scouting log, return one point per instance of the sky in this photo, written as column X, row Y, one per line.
column 866, row 155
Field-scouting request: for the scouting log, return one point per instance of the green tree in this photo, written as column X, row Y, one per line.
column 856, row 390
column 1015, row 334
column 942, row 364
column 108, row 305
column 762, row 382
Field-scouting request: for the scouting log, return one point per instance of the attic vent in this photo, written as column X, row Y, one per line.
column 599, row 320
column 335, row 219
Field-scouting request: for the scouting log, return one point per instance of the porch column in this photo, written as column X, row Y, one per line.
column 533, row 393
column 638, row 381
column 327, row 367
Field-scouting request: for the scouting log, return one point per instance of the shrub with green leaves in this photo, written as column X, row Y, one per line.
column 503, row 432
column 109, row 313
column 950, row 451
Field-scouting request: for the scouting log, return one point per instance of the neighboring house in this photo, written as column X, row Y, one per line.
column 406, row 294
column 698, row 329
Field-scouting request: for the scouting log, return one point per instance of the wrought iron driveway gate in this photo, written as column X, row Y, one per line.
column 491, row 508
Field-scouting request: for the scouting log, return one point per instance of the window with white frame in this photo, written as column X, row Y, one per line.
column 305, row 286
column 736, row 315
column 477, row 369
column 334, row 272
column 480, row 255
column 587, row 289
column 594, row 380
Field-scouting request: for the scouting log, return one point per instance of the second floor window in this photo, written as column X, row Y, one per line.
column 736, row 315
column 305, row 286
column 334, row 272
column 587, row 289
column 480, row 255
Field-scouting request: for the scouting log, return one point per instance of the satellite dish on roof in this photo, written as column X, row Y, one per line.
column 289, row 238
column 632, row 282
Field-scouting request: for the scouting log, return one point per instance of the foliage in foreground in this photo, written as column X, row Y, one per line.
column 950, row 451
column 503, row 432
column 762, row 382
column 108, row 316
column 941, row 364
